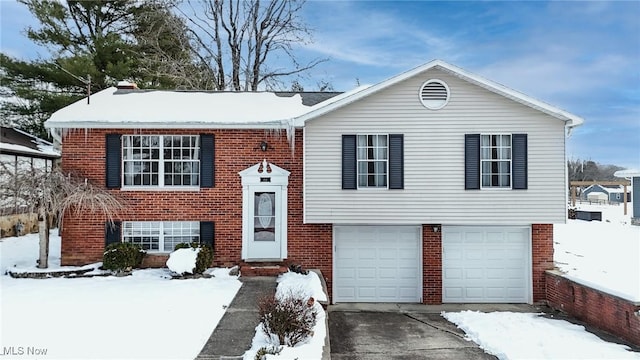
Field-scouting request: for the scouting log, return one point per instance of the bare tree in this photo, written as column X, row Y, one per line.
column 240, row 39
column 51, row 192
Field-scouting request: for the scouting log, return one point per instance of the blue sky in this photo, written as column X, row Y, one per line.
column 583, row 57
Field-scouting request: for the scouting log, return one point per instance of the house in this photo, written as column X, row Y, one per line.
column 433, row 186
column 18, row 151
column 634, row 176
column 612, row 194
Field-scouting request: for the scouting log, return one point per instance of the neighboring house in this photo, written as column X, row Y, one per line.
column 607, row 194
column 433, row 186
column 18, row 151
column 634, row 176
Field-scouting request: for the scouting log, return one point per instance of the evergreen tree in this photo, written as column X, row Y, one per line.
column 92, row 45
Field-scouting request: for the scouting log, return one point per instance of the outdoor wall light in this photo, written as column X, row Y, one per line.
column 264, row 146
column 436, row 228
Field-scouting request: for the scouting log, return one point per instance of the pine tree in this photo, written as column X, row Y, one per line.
column 92, row 45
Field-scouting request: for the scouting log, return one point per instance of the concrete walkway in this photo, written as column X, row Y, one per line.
column 235, row 331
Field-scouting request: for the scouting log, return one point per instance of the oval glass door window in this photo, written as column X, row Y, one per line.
column 264, row 216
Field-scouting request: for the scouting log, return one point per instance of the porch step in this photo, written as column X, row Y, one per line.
column 262, row 270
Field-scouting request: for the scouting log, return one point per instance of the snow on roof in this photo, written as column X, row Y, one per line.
column 571, row 120
column 15, row 141
column 134, row 108
column 111, row 108
column 627, row 173
column 13, row 148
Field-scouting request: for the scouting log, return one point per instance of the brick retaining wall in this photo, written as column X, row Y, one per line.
column 607, row 312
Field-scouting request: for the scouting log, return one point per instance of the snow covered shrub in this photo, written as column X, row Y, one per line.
column 205, row 255
column 289, row 318
column 264, row 351
column 122, row 256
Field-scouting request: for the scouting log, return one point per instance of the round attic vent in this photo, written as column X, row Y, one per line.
column 434, row 94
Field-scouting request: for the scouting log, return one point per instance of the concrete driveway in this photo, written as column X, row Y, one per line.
column 391, row 331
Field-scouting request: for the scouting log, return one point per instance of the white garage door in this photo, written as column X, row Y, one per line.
column 486, row 264
column 377, row 264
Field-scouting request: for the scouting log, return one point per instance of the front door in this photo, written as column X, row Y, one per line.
column 264, row 212
column 265, row 232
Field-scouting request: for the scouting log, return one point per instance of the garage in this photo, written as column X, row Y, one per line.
column 377, row 264
column 482, row 264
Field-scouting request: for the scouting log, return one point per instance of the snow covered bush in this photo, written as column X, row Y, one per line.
column 122, row 257
column 203, row 257
column 289, row 318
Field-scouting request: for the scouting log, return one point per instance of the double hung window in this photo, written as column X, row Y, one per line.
column 373, row 156
column 495, row 161
column 161, row 160
column 160, row 236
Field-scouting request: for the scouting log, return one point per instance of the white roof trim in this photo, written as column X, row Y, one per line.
column 323, row 108
column 140, row 109
column 627, row 173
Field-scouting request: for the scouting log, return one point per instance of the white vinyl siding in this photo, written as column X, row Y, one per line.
column 434, row 159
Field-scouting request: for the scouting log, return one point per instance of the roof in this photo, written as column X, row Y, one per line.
column 133, row 108
column 627, row 173
column 609, row 189
column 570, row 119
column 18, row 142
column 310, row 98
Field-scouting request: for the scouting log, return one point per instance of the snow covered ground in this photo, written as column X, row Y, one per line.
column 510, row 335
column 603, row 255
column 148, row 316
column 145, row 315
column 306, row 286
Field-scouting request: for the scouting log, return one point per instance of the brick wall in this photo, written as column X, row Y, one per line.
column 607, row 312
column 235, row 150
column 541, row 257
column 431, row 265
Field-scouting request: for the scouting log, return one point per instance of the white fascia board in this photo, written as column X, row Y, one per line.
column 164, row 125
column 629, row 173
column 569, row 119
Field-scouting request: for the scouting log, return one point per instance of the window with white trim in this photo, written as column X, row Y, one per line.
column 160, row 236
column 161, row 160
column 373, row 156
column 495, row 161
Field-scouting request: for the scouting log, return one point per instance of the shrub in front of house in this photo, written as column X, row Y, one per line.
column 122, row 257
column 204, row 258
column 288, row 318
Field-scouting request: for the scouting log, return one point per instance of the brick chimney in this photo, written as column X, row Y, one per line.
column 125, row 85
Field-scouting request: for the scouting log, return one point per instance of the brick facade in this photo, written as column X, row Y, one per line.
column 235, row 150
column 431, row 265
column 607, row 312
column 541, row 258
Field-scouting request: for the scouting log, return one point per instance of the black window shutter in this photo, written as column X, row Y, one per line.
column 349, row 162
column 472, row 161
column 207, row 233
column 113, row 160
column 112, row 233
column 519, row 161
column 207, row 149
column 396, row 161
